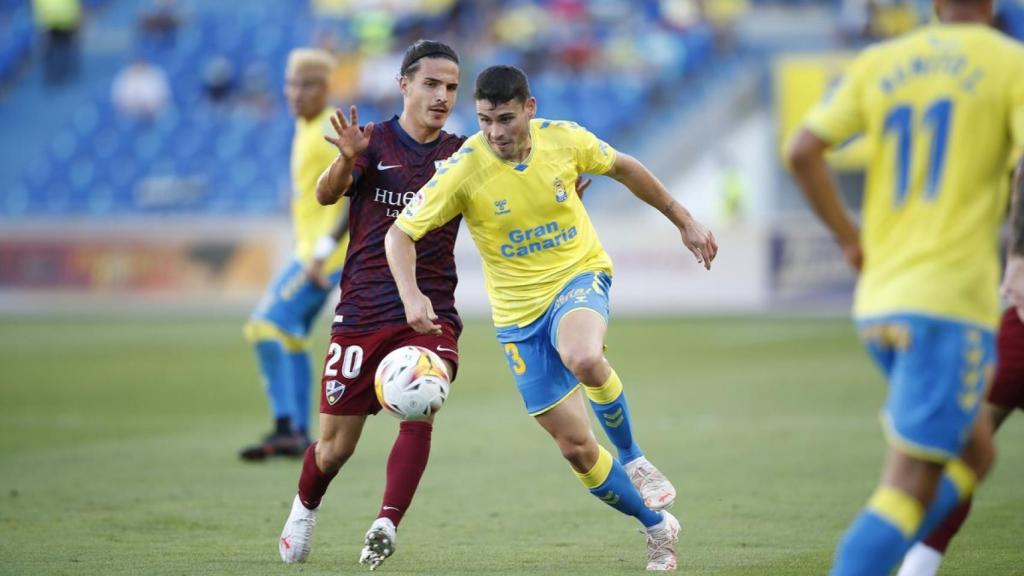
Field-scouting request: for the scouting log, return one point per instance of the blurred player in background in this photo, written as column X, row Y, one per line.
column 279, row 327
column 943, row 110
column 1006, row 394
column 548, row 278
column 376, row 167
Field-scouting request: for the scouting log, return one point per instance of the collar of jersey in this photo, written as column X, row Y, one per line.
column 517, row 166
column 321, row 118
column 408, row 140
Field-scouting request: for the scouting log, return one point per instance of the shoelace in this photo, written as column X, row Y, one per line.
column 648, row 475
column 662, row 546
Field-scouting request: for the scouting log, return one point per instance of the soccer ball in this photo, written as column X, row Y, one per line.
column 412, row 383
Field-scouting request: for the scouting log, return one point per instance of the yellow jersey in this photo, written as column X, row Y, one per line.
column 942, row 112
column 311, row 155
column 530, row 226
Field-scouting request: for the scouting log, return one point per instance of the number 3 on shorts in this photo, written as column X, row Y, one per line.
column 515, row 361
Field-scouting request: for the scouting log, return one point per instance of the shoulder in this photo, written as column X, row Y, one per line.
column 1013, row 49
column 556, row 128
column 467, row 157
column 381, row 139
column 466, row 165
column 381, row 136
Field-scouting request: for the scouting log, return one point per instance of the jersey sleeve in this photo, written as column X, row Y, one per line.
column 440, row 200
column 841, row 115
column 593, row 155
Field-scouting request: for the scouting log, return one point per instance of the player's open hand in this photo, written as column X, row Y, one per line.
column 700, row 241
column 1013, row 283
column 419, row 314
column 349, row 139
column 581, row 186
column 854, row 254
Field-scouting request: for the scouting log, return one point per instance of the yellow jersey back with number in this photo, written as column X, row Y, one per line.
column 530, row 226
column 942, row 110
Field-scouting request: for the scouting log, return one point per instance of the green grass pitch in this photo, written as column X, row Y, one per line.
column 118, row 441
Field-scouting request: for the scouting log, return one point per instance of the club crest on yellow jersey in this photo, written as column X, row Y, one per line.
column 560, row 194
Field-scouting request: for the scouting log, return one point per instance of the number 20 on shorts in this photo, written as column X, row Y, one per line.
column 351, row 365
column 515, row 361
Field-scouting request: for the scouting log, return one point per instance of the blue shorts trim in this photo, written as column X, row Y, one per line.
column 938, row 371
column 293, row 302
column 532, row 353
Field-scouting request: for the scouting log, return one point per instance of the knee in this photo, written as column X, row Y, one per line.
column 982, row 460
column 579, row 450
column 333, row 452
column 587, row 365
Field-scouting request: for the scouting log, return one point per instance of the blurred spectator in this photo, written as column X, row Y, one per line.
column 218, row 79
column 140, row 90
column 59, row 20
column 159, row 24
column 255, row 90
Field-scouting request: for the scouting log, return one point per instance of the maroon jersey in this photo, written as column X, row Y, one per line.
column 385, row 178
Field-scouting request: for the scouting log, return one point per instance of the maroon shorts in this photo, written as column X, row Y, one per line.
column 1008, row 386
column 346, row 388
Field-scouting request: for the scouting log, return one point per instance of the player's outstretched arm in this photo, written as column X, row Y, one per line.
column 1013, row 279
column 806, row 158
column 326, row 246
column 350, row 140
column 401, row 253
column 646, row 186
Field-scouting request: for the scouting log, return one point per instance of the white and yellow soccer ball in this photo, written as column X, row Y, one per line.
column 412, row 383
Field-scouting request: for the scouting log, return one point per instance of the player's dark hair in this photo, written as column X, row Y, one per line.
column 500, row 84
column 425, row 49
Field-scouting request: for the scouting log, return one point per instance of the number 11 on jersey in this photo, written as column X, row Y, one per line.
column 901, row 121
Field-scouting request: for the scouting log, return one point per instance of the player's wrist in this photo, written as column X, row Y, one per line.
column 324, row 247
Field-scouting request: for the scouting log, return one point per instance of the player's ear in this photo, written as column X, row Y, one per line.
column 403, row 84
column 531, row 107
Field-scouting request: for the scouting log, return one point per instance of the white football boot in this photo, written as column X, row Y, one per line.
column 297, row 537
column 379, row 543
column 657, row 491
column 662, row 540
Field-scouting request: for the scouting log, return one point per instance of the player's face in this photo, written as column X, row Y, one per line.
column 306, row 91
column 984, row 8
column 507, row 126
column 429, row 92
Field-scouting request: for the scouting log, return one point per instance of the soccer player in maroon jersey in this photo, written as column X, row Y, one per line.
column 1007, row 392
column 380, row 167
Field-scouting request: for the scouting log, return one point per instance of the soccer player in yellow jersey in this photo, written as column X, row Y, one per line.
column 942, row 109
column 548, row 278
column 280, row 325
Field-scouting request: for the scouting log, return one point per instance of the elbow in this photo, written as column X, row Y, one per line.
column 797, row 156
column 324, row 197
column 805, row 149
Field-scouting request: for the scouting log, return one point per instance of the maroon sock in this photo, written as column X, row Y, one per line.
column 406, row 464
column 313, row 483
column 939, row 539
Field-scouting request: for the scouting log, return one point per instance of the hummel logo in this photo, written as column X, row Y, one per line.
column 443, row 349
column 382, row 167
